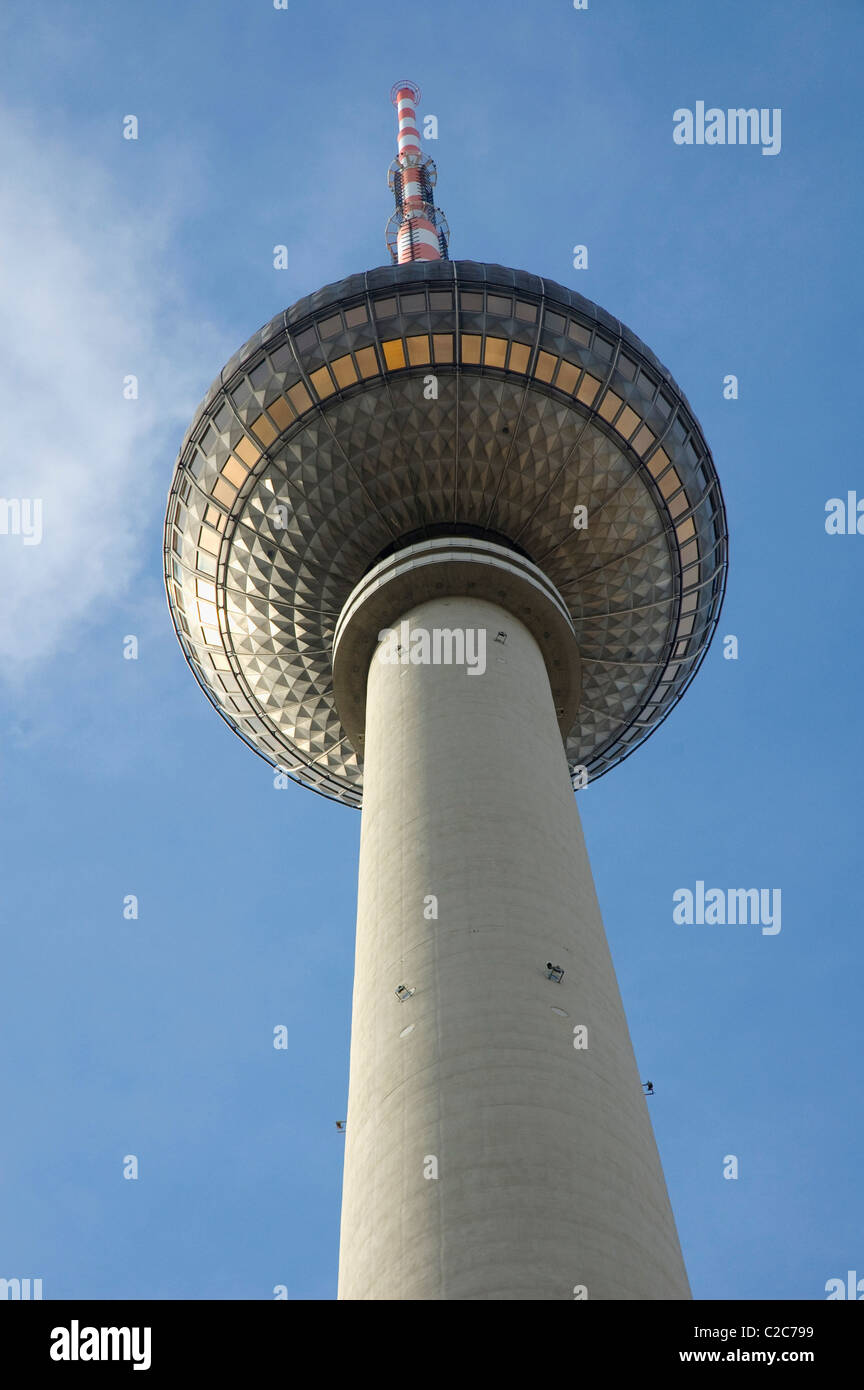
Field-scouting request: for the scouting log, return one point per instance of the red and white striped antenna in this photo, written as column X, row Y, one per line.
column 417, row 230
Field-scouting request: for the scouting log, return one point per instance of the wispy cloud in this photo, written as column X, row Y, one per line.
column 87, row 297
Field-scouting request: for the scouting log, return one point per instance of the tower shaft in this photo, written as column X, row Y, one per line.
column 487, row 1157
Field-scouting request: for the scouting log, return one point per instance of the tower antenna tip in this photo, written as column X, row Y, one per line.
column 404, row 86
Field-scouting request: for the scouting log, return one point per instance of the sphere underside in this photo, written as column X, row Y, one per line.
column 429, row 395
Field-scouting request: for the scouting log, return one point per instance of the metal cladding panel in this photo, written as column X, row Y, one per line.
column 416, row 396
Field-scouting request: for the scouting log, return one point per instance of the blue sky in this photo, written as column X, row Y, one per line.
column 153, row 1037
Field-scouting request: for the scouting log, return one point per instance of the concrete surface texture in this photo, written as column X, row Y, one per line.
column 487, row 1157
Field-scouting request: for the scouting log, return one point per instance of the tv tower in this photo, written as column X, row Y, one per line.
column 445, row 538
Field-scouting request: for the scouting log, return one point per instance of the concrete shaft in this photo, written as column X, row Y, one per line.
column 548, row 1175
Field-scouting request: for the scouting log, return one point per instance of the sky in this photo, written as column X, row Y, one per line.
column 153, row 1036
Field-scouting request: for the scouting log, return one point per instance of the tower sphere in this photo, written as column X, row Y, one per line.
column 422, row 401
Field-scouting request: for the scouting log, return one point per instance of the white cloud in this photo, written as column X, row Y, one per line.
column 87, row 296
